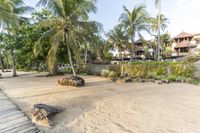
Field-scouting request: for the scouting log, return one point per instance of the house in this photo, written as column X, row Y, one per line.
column 185, row 43
column 144, row 49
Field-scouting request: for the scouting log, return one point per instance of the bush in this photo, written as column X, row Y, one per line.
column 113, row 75
column 105, row 73
column 155, row 69
column 114, row 68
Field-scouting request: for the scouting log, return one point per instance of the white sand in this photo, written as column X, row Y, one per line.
column 106, row 107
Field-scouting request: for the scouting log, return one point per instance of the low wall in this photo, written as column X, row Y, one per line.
column 197, row 73
column 97, row 68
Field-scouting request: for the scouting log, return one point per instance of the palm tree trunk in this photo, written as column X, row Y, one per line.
column 132, row 49
column 12, row 53
column 1, row 58
column 159, row 13
column 86, row 53
column 14, row 64
column 69, row 53
column 122, row 63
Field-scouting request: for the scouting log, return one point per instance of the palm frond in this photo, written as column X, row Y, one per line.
column 51, row 22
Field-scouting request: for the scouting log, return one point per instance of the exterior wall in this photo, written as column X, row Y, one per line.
column 97, row 69
column 173, row 46
column 194, row 40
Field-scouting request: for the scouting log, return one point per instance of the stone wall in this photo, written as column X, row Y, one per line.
column 197, row 73
column 97, row 68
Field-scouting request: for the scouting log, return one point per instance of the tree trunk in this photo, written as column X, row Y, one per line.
column 86, row 53
column 132, row 49
column 122, row 63
column 14, row 65
column 12, row 54
column 1, row 58
column 69, row 53
column 159, row 26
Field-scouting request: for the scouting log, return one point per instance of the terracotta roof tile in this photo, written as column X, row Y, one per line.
column 183, row 35
column 185, row 44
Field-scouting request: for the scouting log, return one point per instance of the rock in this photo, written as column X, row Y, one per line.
column 151, row 80
column 158, row 81
column 121, row 79
column 128, row 79
column 165, row 81
column 72, row 81
column 141, row 80
column 41, row 114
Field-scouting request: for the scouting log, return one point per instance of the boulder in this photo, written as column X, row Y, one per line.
column 120, row 80
column 42, row 113
column 150, row 80
column 158, row 81
column 128, row 79
column 72, row 81
column 166, row 81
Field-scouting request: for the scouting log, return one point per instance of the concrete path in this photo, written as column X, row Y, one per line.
column 12, row 120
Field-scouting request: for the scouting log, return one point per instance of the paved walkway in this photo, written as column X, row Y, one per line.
column 12, row 120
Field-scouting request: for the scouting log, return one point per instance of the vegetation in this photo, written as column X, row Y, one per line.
column 167, row 71
column 134, row 22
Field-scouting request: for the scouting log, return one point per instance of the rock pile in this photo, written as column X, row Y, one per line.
column 42, row 113
column 72, row 81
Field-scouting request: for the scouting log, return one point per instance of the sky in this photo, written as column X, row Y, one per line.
column 183, row 15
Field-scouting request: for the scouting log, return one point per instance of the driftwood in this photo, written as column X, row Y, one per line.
column 72, row 81
column 42, row 113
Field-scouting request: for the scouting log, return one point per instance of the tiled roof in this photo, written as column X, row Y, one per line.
column 185, row 44
column 183, row 35
column 139, row 41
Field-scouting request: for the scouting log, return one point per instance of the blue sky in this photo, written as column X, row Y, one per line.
column 182, row 14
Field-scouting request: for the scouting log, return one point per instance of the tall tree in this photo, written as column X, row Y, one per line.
column 134, row 22
column 19, row 10
column 6, row 17
column 70, row 16
column 119, row 39
column 158, row 4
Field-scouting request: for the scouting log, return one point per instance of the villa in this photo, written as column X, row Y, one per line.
column 185, row 43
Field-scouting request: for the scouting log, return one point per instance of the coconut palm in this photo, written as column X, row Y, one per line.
column 85, row 39
column 158, row 4
column 6, row 17
column 134, row 22
column 70, row 17
column 6, row 13
column 118, row 38
column 154, row 23
column 19, row 10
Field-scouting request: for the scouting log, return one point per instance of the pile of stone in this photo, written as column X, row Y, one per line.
column 72, row 81
column 42, row 113
column 124, row 79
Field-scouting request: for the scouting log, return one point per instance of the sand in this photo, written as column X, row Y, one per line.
column 106, row 107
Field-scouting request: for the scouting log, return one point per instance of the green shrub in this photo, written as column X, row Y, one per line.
column 154, row 69
column 105, row 73
column 113, row 75
column 114, row 68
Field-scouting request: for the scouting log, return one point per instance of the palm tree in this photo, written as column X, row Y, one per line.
column 119, row 39
column 6, row 13
column 70, row 17
column 158, row 4
column 154, row 24
column 6, row 17
column 19, row 10
column 134, row 22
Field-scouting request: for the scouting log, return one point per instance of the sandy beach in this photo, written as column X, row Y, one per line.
column 103, row 106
